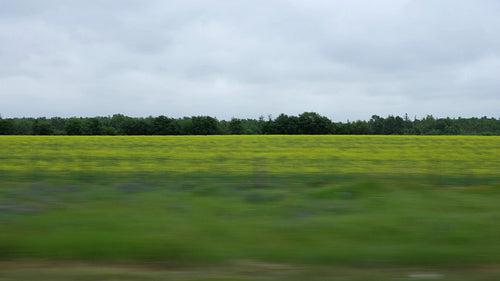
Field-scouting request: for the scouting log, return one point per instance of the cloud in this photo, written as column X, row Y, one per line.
column 343, row 59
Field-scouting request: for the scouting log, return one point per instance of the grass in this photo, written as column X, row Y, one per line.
column 365, row 222
column 244, row 270
column 368, row 206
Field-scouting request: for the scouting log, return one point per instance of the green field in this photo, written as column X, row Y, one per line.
column 101, row 159
column 314, row 201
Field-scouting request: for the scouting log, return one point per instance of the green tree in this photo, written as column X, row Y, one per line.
column 74, row 126
column 312, row 123
column 129, row 126
column 269, row 126
column 204, row 125
column 6, row 126
column 251, row 127
column 235, row 126
column 42, row 127
column 93, row 126
column 163, row 125
column 447, row 127
column 285, row 124
column 117, row 122
column 376, row 124
column 343, row 128
column 58, row 124
column 23, row 126
column 360, row 128
column 393, row 125
column 429, row 126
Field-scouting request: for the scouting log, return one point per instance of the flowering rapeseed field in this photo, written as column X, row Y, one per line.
column 66, row 157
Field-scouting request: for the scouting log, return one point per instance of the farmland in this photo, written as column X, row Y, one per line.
column 298, row 200
column 220, row 157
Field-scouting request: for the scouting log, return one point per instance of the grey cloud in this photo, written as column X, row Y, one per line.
column 344, row 59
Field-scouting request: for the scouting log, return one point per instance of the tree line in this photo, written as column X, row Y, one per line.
column 305, row 123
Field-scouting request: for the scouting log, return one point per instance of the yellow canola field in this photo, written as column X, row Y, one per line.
column 243, row 155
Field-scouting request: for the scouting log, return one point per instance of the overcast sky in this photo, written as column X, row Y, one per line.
column 342, row 59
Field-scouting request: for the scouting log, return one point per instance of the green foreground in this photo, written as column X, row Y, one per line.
column 237, row 270
column 302, row 202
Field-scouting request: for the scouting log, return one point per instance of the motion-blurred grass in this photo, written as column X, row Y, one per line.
column 342, row 200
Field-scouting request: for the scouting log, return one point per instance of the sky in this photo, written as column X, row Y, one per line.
column 346, row 60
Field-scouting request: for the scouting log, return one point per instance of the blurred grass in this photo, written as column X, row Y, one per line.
column 308, row 200
column 238, row 270
column 366, row 222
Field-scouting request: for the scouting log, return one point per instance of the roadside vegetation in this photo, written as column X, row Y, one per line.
column 242, row 207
